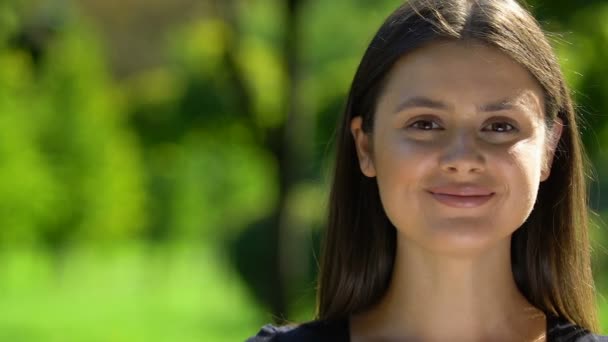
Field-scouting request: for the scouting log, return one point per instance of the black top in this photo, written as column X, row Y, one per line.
column 558, row 330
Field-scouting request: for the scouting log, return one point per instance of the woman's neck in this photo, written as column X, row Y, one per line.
column 437, row 298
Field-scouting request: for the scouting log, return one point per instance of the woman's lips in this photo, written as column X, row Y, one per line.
column 458, row 201
column 462, row 196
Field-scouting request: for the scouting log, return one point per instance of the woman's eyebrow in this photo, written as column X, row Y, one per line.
column 425, row 102
column 421, row 101
column 498, row 106
column 522, row 103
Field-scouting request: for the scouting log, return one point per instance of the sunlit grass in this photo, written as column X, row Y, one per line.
column 134, row 293
column 603, row 311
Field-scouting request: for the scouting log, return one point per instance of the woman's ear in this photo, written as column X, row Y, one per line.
column 554, row 137
column 363, row 146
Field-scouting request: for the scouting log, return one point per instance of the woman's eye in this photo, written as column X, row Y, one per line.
column 500, row 127
column 425, row 125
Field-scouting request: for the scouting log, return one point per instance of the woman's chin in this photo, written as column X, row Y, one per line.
column 459, row 242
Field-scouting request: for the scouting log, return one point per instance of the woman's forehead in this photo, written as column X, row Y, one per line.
column 454, row 72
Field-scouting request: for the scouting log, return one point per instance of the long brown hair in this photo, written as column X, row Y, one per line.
column 550, row 252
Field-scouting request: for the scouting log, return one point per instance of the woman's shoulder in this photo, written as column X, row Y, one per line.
column 562, row 330
column 559, row 330
column 310, row 331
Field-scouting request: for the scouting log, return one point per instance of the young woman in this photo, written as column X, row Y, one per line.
column 458, row 202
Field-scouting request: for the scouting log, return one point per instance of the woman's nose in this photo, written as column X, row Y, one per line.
column 462, row 155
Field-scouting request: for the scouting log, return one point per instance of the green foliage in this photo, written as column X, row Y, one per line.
column 126, row 293
column 209, row 175
column 71, row 169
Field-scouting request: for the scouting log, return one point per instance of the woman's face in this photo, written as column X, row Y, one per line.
column 458, row 146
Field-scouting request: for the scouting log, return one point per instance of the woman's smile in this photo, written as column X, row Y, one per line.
column 461, row 195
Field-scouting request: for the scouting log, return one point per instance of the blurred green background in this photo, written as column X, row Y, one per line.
column 163, row 163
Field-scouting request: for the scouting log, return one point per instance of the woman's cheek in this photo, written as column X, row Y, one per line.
column 406, row 156
column 522, row 167
column 403, row 170
column 527, row 157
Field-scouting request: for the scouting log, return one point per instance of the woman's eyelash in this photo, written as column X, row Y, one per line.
column 497, row 127
column 502, row 127
column 425, row 125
